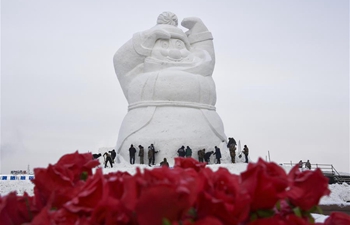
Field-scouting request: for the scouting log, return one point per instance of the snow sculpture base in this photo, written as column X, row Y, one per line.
column 168, row 128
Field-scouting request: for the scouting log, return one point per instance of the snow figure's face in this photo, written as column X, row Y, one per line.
column 173, row 50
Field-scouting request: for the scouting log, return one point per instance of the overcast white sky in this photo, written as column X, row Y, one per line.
column 282, row 75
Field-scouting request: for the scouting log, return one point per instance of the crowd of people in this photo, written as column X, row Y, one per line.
column 203, row 156
column 109, row 157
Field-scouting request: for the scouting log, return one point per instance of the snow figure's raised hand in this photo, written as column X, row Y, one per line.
column 194, row 25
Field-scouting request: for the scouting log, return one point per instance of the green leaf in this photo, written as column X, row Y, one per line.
column 310, row 218
column 265, row 213
column 318, row 210
column 192, row 212
column 253, row 216
column 278, row 205
column 28, row 208
column 166, row 222
column 83, row 176
column 297, row 211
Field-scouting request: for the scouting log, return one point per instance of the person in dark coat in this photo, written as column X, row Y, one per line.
column 108, row 158
column 188, row 152
column 132, row 152
column 217, row 155
column 246, row 152
column 207, row 156
column 232, row 147
column 181, row 151
column 96, row 156
column 308, row 164
column 300, row 164
column 153, row 151
column 141, row 154
column 164, row 163
column 113, row 154
column 201, row 154
column 149, row 154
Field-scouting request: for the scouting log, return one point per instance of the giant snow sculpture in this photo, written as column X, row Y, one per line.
column 166, row 77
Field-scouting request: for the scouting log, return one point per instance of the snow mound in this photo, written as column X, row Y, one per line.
column 340, row 193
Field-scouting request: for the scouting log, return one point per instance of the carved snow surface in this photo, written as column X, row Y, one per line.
column 166, row 77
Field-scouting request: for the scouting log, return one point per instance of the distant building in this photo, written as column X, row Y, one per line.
column 15, row 172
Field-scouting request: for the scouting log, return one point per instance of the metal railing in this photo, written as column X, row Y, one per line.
column 327, row 169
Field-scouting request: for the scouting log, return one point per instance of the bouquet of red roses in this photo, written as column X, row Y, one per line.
column 70, row 193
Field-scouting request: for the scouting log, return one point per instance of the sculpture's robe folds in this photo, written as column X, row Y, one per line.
column 166, row 76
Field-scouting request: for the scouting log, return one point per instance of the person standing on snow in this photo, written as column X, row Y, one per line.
column 113, row 155
column 308, row 164
column 217, row 155
column 132, row 152
column 300, row 164
column 141, row 154
column 153, row 151
column 232, row 147
column 150, row 155
column 246, row 152
column 188, row 152
column 201, row 154
column 181, row 152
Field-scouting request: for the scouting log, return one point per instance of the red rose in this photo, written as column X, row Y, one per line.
column 278, row 220
column 15, row 209
column 89, row 195
column 337, row 218
column 222, row 197
column 189, row 163
column 205, row 221
column 161, row 202
column 43, row 217
column 295, row 220
column 265, row 183
column 110, row 210
column 268, row 221
column 306, row 188
column 116, row 182
column 58, row 217
column 58, row 183
column 284, row 208
column 52, row 187
column 75, row 164
column 125, row 187
column 188, row 194
column 164, row 193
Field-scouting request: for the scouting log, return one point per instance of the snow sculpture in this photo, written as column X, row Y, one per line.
column 166, row 77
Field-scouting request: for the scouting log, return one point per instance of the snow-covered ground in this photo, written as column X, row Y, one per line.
column 340, row 193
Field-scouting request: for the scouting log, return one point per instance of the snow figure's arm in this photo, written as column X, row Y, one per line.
column 200, row 38
column 128, row 60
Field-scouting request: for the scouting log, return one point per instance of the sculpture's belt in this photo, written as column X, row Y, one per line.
column 171, row 103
